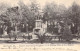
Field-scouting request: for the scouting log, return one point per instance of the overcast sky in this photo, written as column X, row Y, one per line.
column 67, row 3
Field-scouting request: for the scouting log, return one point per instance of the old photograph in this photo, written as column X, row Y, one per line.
column 40, row 22
column 39, row 25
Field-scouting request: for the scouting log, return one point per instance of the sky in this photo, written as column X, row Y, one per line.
column 42, row 3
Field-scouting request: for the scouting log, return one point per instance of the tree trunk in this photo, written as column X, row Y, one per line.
column 15, row 36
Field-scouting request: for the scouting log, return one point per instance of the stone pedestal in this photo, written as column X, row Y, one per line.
column 38, row 26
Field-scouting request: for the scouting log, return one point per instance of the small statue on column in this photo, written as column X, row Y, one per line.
column 38, row 17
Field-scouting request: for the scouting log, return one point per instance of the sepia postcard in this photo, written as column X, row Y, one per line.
column 39, row 25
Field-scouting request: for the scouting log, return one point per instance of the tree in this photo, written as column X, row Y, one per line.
column 3, row 7
column 34, row 13
column 75, row 13
column 53, row 11
column 13, row 15
column 24, row 12
column 34, row 7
